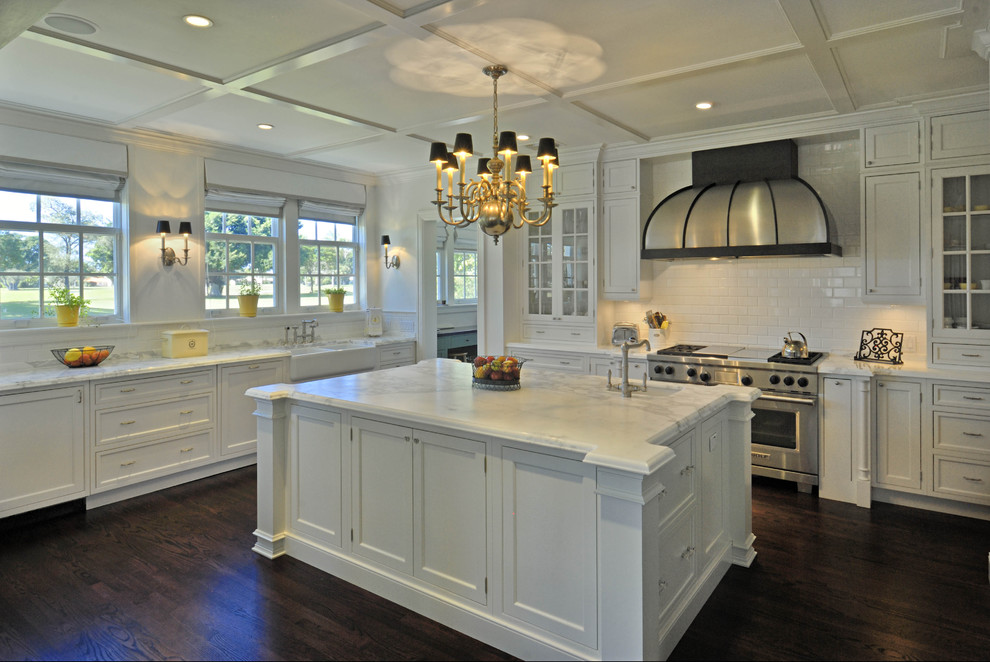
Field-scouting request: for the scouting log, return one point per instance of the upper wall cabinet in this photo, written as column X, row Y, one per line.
column 892, row 237
column 576, row 179
column 620, row 177
column 898, row 144
column 961, row 134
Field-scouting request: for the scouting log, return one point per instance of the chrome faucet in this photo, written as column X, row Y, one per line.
column 624, row 386
column 307, row 335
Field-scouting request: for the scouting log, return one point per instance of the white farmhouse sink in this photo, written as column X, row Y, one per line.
column 342, row 358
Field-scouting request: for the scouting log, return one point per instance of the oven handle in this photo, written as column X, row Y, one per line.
column 784, row 398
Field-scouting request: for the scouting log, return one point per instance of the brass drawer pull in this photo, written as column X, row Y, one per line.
column 127, row 464
column 185, row 450
column 253, row 367
column 186, row 381
column 127, row 390
column 973, row 434
column 973, row 356
column 128, row 422
column 972, row 397
column 973, row 480
column 186, row 411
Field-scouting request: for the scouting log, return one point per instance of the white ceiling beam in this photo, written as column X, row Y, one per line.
column 16, row 16
column 812, row 34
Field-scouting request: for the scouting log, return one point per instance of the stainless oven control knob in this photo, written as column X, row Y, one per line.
column 691, row 372
column 705, row 376
column 746, row 380
column 803, row 382
column 669, row 370
column 774, row 379
column 788, row 381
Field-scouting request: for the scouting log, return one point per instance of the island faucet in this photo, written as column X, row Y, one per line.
column 624, row 386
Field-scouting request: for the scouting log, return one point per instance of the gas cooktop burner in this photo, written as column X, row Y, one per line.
column 810, row 360
column 680, row 350
column 703, row 351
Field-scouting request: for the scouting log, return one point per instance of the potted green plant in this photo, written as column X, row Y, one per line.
column 336, row 296
column 247, row 300
column 68, row 306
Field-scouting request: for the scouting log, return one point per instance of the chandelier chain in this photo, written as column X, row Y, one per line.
column 495, row 115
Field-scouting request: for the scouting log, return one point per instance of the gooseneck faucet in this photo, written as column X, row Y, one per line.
column 624, row 386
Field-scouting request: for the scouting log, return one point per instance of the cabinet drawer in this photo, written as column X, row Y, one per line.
column 960, row 354
column 962, row 433
column 158, row 418
column 393, row 354
column 562, row 361
column 131, row 465
column 120, row 391
column 552, row 333
column 961, row 396
column 677, row 478
column 677, row 560
column 959, row 478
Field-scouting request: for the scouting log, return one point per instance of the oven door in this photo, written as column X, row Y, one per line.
column 785, row 437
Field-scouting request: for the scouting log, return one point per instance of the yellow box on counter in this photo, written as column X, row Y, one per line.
column 181, row 343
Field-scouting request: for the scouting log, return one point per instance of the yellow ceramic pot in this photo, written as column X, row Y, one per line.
column 336, row 302
column 67, row 315
column 247, row 305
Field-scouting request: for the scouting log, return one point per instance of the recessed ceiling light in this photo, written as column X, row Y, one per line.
column 70, row 24
column 703, row 105
column 522, row 136
column 266, row 127
column 197, row 21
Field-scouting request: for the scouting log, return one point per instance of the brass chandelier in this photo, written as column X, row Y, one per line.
column 497, row 199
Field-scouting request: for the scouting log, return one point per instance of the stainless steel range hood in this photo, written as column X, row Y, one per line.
column 744, row 202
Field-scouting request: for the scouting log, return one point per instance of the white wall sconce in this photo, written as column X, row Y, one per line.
column 168, row 255
column 392, row 262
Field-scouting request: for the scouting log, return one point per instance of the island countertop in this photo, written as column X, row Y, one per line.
column 552, row 409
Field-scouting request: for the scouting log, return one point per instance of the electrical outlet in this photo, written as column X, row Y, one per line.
column 909, row 343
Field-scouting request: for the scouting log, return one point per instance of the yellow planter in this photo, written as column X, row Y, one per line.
column 336, row 303
column 67, row 315
column 247, row 304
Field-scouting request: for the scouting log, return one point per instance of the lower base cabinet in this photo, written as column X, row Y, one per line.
column 42, row 449
column 419, row 505
column 897, row 457
column 238, row 427
column 548, row 540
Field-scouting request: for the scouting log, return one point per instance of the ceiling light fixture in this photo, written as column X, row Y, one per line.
column 496, row 201
column 197, row 21
column 266, row 127
column 703, row 105
column 70, row 24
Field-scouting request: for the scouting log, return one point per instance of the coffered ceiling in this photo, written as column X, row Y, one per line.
column 367, row 84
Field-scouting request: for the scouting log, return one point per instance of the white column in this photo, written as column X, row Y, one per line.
column 861, row 413
column 272, row 465
column 739, row 494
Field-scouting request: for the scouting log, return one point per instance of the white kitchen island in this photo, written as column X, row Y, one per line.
column 558, row 521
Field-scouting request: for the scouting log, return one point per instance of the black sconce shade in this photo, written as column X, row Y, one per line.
column 385, row 240
column 185, row 227
column 163, row 227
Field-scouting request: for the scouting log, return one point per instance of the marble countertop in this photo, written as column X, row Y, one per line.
column 552, row 409
column 19, row 376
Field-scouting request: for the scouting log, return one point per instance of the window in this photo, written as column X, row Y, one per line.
column 465, row 277
column 48, row 240
column 457, row 266
column 240, row 251
column 329, row 254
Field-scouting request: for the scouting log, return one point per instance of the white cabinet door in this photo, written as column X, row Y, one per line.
column 574, row 179
column 560, row 281
column 713, row 538
column 450, row 509
column 891, row 145
column 898, row 434
column 238, row 428
column 381, row 486
column 42, row 449
column 892, row 237
column 620, row 176
column 549, row 556
column 621, row 266
column 836, row 477
column 961, row 134
column 316, row 497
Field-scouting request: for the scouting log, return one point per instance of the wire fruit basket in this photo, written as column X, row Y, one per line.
column 83, row 357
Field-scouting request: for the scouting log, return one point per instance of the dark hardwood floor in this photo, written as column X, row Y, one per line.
column 171, row 575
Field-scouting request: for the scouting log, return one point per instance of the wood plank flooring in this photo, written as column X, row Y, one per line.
column 171, row 576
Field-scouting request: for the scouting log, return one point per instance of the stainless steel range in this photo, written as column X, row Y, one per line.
column 785, row 422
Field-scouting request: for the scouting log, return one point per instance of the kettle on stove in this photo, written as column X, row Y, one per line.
column 795, row 349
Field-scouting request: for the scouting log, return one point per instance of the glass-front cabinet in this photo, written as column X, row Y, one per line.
column 961, row 243
column 560, row 268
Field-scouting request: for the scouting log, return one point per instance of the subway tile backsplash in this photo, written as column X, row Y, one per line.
column 757, row 301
